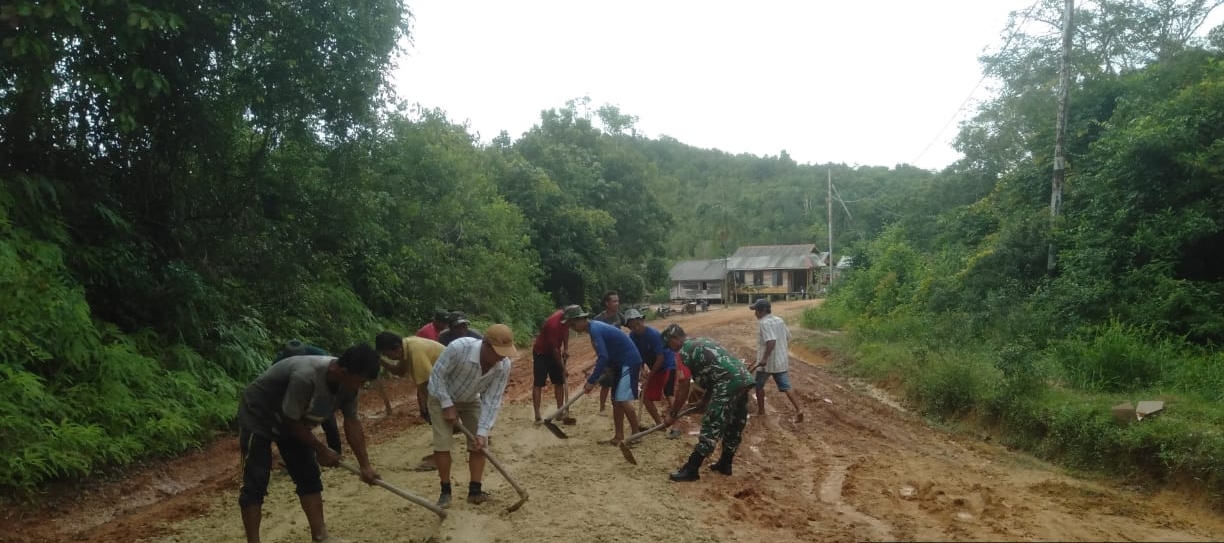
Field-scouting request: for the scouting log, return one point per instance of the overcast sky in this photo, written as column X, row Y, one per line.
column 853, row 81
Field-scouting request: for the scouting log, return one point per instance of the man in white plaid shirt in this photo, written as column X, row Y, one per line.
column 467, row 383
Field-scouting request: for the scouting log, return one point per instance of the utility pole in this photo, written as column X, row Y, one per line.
column 1060, row 137
column 829, row 200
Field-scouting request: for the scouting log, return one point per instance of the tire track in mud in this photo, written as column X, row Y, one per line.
column 831, row 486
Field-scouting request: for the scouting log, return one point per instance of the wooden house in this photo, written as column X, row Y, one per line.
column 699, row 280
column 774, row 271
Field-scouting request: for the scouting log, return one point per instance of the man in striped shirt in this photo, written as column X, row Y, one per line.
column 467, row 383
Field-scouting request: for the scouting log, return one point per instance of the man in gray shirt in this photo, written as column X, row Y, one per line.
column 282, row 406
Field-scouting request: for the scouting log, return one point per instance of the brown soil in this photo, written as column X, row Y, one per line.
column 859, row 468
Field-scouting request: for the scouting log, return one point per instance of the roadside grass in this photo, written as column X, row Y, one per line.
column 1053, row 401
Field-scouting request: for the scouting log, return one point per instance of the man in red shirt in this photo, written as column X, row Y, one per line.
column 434, row 327
column 549, row 354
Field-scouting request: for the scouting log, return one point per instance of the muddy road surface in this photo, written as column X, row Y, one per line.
column 858, row 468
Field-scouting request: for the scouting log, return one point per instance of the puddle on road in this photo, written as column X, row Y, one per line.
column 878, row 394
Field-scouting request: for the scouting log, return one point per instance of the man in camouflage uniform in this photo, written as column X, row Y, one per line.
column 725, row 380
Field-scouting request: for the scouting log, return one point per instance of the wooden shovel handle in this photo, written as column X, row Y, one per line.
column 401, row 493
column 493, row 460
column 659, row 426
column 563, row 409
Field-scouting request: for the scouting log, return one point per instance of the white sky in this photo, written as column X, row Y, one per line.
column 868, row 82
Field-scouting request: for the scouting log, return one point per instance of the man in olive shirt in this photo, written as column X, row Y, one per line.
column 610, row 315
column 281, row 406
column 459, row 327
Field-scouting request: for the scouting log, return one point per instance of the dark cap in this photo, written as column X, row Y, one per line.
column 760, row 304
column 456, row 318
column 672, row 330
column 441, row 315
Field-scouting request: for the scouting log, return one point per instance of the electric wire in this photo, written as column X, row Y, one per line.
column 1007, row 43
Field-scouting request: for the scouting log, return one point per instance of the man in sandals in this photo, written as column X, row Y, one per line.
column 414, row 357
column 658, row 362
column 613, row 349
column 610, row 315
column 548, row 357
column 772, row 359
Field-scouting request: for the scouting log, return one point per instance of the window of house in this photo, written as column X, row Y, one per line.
column 758, row 277
column 777, row 278
column 705, row 285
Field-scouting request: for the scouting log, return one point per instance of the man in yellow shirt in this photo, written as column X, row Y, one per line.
column 414, row 357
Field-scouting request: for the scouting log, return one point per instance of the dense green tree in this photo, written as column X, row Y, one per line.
column 587, row 195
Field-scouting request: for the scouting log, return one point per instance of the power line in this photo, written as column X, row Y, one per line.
column 1027, row 15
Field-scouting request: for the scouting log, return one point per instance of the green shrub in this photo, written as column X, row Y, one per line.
column 1114, row 358
column 1081, row 434
column 824, row 317
column 1198, row 373
column 882, row 361
column 951, row 384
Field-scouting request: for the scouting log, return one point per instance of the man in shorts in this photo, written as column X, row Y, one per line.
column 610, row 315
column 467, row 384
column 281, row 406
column 613, row 349
column 658, row 362
column 414, row 357
column 549, row 354
column 772, row 359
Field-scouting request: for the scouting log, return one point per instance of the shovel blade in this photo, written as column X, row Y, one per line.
column 517, row 505
column 556, row 430
column 627, row 453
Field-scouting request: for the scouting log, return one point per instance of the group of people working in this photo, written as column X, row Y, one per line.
column 461, row 376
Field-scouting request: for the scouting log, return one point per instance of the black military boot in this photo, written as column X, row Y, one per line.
column 690, row 471
column 723, row 465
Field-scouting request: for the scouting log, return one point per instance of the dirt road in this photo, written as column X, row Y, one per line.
column 857, row 469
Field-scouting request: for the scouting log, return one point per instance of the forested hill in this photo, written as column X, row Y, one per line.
column 185, row 187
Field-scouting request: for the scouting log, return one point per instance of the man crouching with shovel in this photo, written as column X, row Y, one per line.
column 726, row 381
column 467, row 383
column 281, row 406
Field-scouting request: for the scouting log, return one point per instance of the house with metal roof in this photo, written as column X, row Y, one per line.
column 771, row 271
column 699, row 280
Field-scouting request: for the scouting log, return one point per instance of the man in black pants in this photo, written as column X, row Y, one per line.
column 280, row 407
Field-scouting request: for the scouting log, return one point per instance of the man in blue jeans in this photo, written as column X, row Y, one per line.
column 614, row 349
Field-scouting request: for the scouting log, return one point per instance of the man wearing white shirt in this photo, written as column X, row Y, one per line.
column 467, row 383
column 772, row 358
